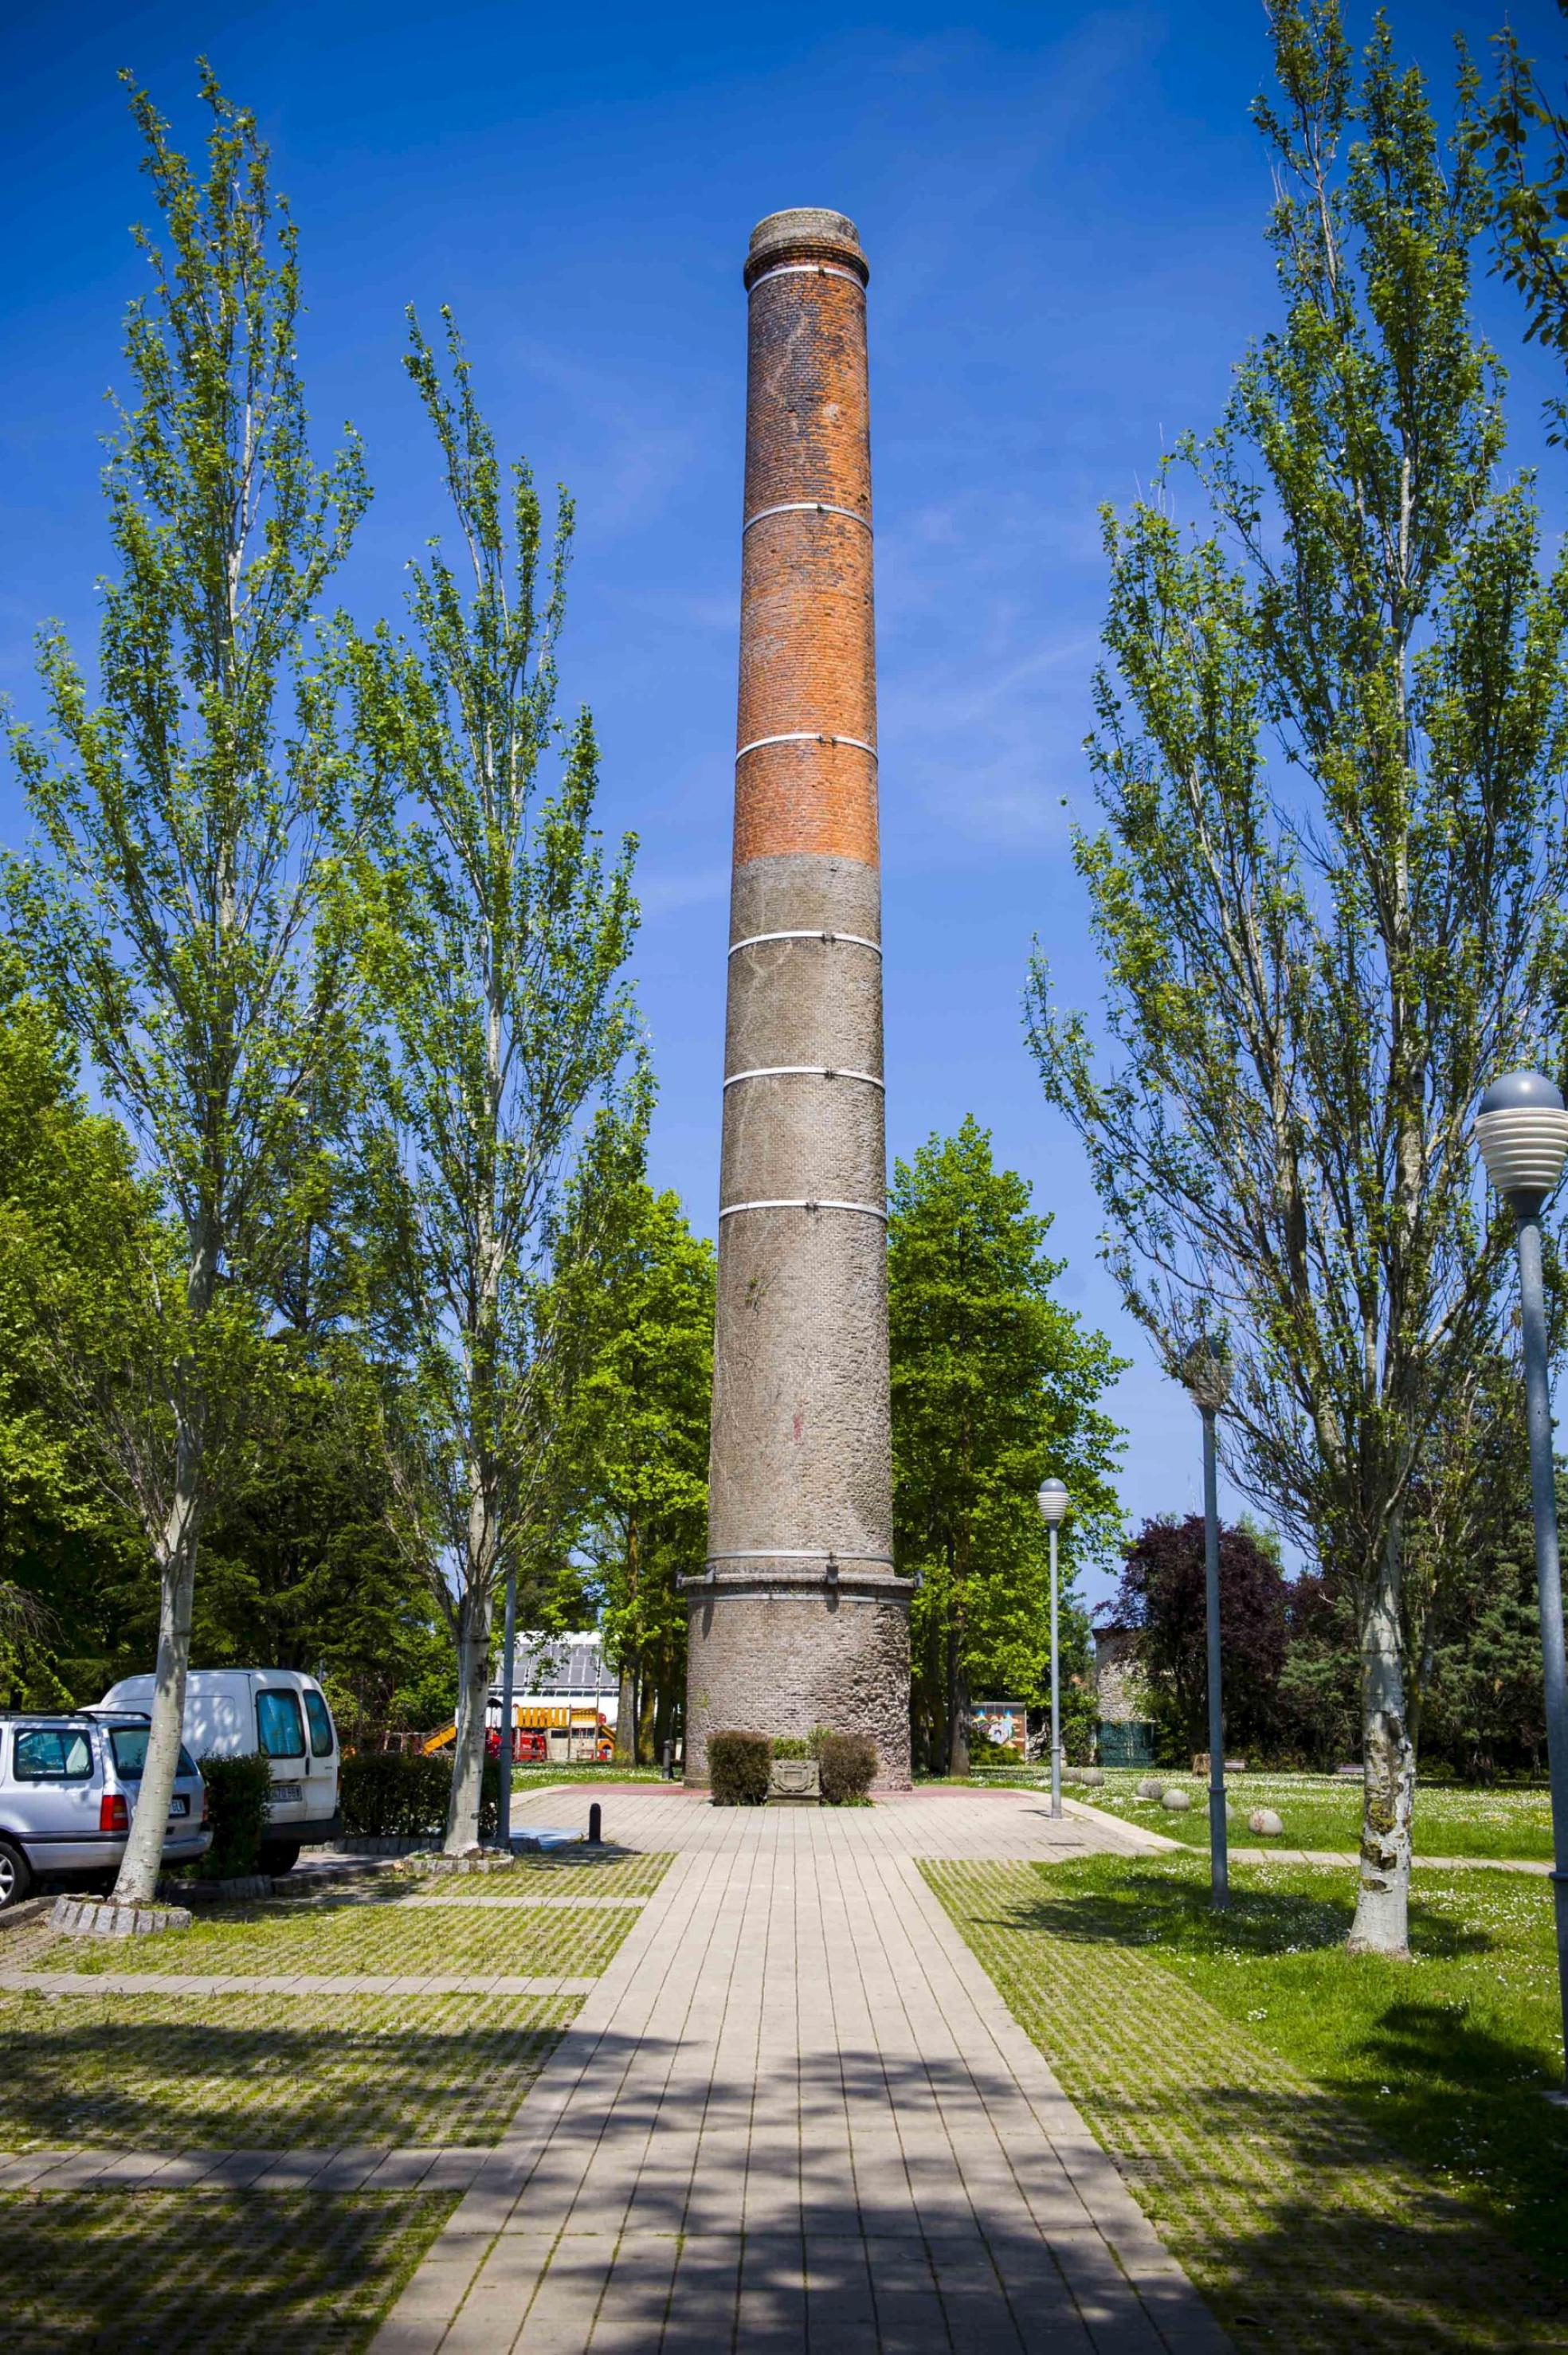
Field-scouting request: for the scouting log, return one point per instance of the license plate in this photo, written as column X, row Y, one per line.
column 179, row 1806
column 292, row 1793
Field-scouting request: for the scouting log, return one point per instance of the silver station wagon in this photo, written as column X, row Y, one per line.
column 68, row 1785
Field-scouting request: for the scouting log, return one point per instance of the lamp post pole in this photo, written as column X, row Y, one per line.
column 1052, row 1501
column 1522, row 1131
column 1219, row 1841
column 1206, row 1372
column 504, row 1762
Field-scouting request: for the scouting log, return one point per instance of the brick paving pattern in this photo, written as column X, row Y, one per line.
column 796, row 2114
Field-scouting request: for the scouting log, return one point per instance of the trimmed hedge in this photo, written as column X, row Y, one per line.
column 399, row 1795
column 738, row 1768
column 239, row 1791
column 848, row 1766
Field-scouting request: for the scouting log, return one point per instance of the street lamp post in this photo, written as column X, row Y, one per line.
column 504, row 1761
column 1052, row 1502
column 1206, row 1372
column 1522, row 1131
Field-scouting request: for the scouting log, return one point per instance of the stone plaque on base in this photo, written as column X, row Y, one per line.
column 797, row 1781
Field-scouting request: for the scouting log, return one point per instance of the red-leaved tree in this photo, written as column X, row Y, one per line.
column 1161, row 1600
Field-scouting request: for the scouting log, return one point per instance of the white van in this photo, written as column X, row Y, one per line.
column 283, row 1713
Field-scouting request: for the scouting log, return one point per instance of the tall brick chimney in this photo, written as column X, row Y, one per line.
column 798, row 1618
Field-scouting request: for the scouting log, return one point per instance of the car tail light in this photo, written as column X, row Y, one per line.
column 114, row 1815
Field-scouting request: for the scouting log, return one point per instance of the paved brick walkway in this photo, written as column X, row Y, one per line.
column 795, row 2116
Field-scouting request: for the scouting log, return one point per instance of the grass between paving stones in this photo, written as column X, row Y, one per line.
column 196, row 2271
column 266, row 2073
column 1321, row 1811
column 375, row 1929
column 1343, row 2152
column 582, row 1873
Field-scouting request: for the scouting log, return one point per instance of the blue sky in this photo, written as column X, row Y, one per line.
column 1063, row 207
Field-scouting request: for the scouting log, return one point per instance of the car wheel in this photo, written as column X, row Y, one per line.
column 15, row 1878
column 281, row 1856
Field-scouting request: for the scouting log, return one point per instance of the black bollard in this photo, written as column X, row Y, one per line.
column 593, row 1822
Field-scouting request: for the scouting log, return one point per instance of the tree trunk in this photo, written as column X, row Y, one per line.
column 957, row 1704
column 1382, row 1925
column 646, row 1724
column 472, row 1699
column 138, row 1877
column 626, row 1721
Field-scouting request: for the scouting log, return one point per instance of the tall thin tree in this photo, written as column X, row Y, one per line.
column 185, row 912
column 500, row 948
column 1329, row 892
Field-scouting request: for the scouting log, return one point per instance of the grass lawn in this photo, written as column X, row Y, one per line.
column 582, row 1874
column 378, row 1931
column 1321, row 1811
column 192, row 2271
column 1345, row 2153
column 267, row 2071
column 540, row 1778
column 378, row 1925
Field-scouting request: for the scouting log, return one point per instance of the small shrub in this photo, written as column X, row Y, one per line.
column 849, row 1763
column 394, row 1795
column 400, row 1794
column 738, row 1768
column 239, row 1791
column 792, row 1745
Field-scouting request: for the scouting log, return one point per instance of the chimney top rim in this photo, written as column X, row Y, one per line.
column 808, row 232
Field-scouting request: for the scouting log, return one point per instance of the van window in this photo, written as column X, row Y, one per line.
column 129, row 1744
column 320, row 1718
column 51, row 1753
column 279, row 1729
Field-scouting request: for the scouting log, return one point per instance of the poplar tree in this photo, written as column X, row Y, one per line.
column 1328, row 887
column 500, row 939
column 183, row 911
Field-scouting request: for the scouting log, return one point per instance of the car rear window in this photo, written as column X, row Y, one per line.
column 280, row 1728
column 320, row 1718
column 129, row 1744
column 52, row 1754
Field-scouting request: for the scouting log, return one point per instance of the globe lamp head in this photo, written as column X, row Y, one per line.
column 1052, row 1501
column 1522, row 1131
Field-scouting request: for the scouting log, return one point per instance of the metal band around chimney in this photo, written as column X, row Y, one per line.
column 867, row 1210
column 806, row 270
column 806, row 736
column 803, row 1071
column 797, row 1553
column 855, row 940
column 803, row 506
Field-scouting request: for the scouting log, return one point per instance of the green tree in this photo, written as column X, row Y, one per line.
column 499, row 944
column 300, row 1565
column 185, row 915
column 1328, row 890
column 994, row 1384
column 69, row 1197
column 635, row 1442
column 1524, row 134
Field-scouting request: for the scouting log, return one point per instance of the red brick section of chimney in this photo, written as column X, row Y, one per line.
column 798, row 1618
